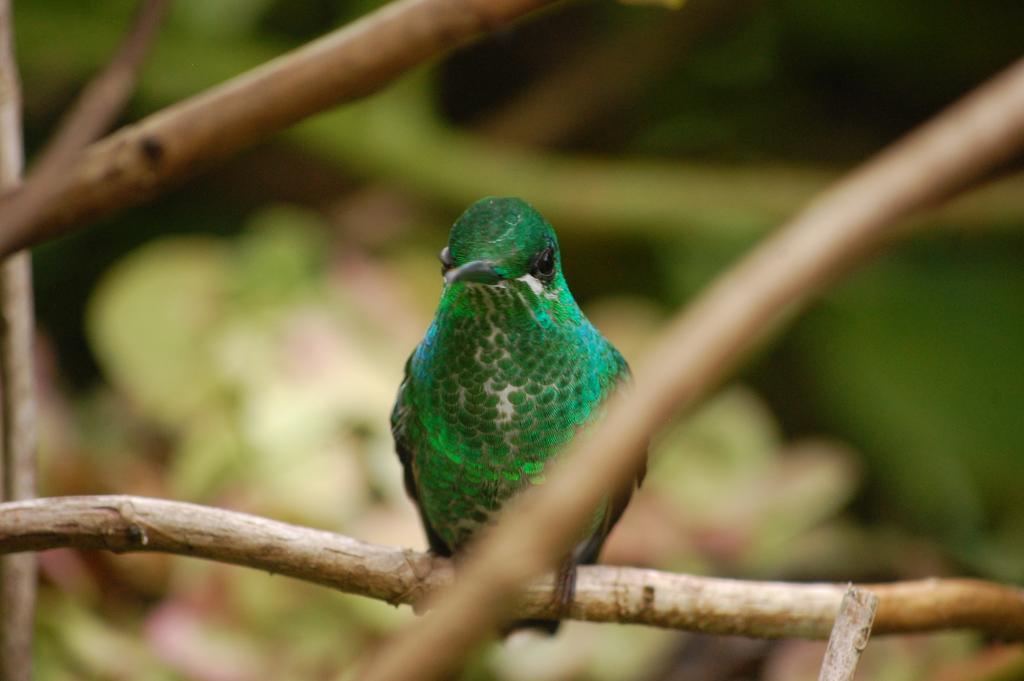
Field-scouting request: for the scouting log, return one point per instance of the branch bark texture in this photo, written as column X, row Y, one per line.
column 17, row 398
column 137, row 162
column 850, row 635
column 18, row 430
column 857, row 216
column 395, row 575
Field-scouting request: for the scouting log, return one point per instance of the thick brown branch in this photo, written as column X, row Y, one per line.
column 141, row 159
column 93, row 113
column 834, row 233
column 604, row 594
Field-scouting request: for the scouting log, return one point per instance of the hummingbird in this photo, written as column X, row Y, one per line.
column 509, row 371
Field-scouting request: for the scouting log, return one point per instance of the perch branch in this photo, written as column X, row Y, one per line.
column 138, row 161
column 849, row 636
column 837, row 230
column 603, row 593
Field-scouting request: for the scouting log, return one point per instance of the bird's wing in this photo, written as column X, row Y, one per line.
column 623, row 379
column 402, row 415
column 588, row 552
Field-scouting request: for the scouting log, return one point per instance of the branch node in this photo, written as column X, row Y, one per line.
column 422, row 567
column 152, row 150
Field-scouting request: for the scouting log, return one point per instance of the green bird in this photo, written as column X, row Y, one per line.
column 509, row 372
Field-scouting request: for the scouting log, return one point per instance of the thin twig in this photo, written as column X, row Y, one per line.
column 827, row 239
column 849, row 636
column 603, row 594
column 138, row 161
column 17, row 399
column 18, row 438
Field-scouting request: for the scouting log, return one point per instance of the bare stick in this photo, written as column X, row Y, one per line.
column 135, row 163
column 17, row 426
column 827, row 239
column 11, row 151
column 92, row 114
column 849, row 635
column 603, row 594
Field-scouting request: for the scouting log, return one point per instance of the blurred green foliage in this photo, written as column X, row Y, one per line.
column 238, row 342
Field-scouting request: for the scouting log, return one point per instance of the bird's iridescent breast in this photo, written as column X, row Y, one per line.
column 499, row 384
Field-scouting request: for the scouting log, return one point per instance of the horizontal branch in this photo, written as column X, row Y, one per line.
column 603, row 593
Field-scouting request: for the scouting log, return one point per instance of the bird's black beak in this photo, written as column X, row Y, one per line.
column 478, row 271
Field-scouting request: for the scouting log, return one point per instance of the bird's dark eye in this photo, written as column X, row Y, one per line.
column 445, row 256
column 544, row 265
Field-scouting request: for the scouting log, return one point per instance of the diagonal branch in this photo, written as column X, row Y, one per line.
column 137, row 162
column 92, row 114
column 604, row 594
column 834, row 233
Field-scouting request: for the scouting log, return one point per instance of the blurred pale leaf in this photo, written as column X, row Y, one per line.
column 810, row 483
column 210, row 452
column 280, row 257
column 151, row 321
column 582, row 650
column 97, row 647
column 733, row 437
column 200, row 647
column 216, row 20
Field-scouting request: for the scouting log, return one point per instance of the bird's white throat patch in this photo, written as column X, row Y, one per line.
column 533, row 282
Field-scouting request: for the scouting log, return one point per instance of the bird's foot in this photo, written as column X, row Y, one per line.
column 565, row 589
column 432, row 560
column 562, row 597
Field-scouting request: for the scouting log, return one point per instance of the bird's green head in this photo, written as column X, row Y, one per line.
column 501, row 240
